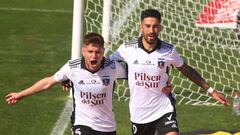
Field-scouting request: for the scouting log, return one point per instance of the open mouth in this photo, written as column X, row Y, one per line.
column 93, row 62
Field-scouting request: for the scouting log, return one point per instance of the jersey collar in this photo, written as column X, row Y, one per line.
column 140, row 44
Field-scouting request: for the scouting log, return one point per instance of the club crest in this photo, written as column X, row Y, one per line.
column 161, row 63
column 106, row 81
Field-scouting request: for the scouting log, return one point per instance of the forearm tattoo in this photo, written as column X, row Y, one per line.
column 194, row 76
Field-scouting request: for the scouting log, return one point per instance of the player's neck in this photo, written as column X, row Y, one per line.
column 93, row 69
column 149, row 47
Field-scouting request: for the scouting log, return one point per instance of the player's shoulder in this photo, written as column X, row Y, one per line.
column 166, row 45
column 75, row 63
column 133, row 43
column 109, row 62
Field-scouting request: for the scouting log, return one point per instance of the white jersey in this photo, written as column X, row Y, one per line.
column 147, row 75
column 92, row 93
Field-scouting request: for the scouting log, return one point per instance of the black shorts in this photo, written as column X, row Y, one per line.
column 167, row 123
column 85, row 130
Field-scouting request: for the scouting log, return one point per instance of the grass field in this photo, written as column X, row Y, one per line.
column 35, row 39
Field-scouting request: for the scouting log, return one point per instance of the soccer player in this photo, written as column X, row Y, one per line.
column 92, row 78
column 148, row 59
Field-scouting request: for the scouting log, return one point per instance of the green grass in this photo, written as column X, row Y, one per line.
column 33, row 45
column 190, row 118
column 37, row 44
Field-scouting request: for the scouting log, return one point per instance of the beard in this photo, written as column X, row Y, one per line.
column 152, row 40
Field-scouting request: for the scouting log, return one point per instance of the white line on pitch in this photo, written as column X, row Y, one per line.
column 62, row 122
column 36, row 10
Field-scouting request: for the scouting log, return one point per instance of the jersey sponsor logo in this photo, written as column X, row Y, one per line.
column 93, row 81
column 136, row 62
column 174, row 126
column 173, row 122
column 169, row 117
column 170, row 122
column 93, row 98
column 148, row 62
column 147, row 81
column 81, row 82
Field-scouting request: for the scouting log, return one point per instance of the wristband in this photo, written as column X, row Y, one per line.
column 210, row 90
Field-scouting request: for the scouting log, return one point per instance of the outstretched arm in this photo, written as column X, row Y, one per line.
column 195, row 77
column 42, row 85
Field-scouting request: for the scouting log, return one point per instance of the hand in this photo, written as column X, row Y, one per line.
column 167, row 89
column 66, row 85
column 220, row 98
column 13, row 98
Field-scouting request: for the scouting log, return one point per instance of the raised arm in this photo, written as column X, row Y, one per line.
column 195, row 77
column 41, row 85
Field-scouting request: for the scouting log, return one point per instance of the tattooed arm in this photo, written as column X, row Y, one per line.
column 195, row 77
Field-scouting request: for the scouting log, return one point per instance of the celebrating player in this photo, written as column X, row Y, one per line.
column 92, row 78
column 148, row 59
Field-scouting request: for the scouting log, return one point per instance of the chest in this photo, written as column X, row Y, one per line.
column 156, row 61
column 97, row 82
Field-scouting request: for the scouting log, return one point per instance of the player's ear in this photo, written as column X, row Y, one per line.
column 140, row 26
column 161, row 27
column 103, row 50
column 83, row 50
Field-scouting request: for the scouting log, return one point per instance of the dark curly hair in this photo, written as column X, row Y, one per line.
column 151, row 13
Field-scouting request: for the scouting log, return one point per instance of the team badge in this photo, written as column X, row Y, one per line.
column 161, row 63
column 106, row 81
